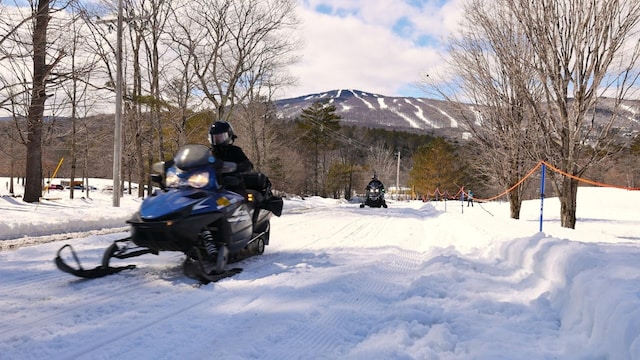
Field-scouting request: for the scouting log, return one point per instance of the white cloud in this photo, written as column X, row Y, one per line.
column 355, row 47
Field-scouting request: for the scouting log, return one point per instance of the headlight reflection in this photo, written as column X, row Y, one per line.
column 197, row 180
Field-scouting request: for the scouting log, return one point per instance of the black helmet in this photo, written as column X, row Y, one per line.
column 221, row 133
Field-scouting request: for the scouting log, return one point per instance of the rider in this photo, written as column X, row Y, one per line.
column 221, row 137
column 375, row 182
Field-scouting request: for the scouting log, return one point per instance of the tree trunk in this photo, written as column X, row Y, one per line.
column 515, row 204
column 33, row 186
column 74, row 134
column 515, row 196
column 568, row 203
column 11, row 192
column 140, row 164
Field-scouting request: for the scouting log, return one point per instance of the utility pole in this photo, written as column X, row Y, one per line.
column 117, row 133
column 398, row 178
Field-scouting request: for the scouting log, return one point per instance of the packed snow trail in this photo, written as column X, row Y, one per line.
column 415, row 281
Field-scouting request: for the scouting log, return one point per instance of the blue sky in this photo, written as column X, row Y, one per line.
column 379, row 46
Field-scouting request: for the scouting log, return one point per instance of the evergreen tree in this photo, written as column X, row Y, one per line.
column 318, row 125
column 436, row 166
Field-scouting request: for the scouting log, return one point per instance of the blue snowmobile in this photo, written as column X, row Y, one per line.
column 196, row 213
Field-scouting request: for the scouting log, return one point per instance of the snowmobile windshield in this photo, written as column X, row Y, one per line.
column 375, row 185
column 192, row 168
column 192, row 156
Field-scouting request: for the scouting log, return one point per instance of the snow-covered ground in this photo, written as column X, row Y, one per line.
column 414, row 281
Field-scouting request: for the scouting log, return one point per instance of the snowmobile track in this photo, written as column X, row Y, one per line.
column 328, row 330
column 124, row 288
column 144, row 293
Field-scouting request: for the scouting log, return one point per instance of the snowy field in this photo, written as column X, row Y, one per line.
column 414, row 281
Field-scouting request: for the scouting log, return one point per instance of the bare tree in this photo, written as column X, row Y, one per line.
column 383, row 162
column 180, row 86
column 14, row 56
column 41, row 73
column 487, row 58
column 581, row 50
column 254, row 123
column 145, row 24
column 75, row 77
column 15, row 75
column 154, row 16
column 187, row 120
column 12, row 158
column 235, row 45
column 20, row 101
column 536, row 71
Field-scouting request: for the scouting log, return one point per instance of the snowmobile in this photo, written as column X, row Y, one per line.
column 374, row 194
column 201, row 210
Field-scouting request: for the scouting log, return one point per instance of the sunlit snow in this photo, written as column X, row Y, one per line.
column 415, row 281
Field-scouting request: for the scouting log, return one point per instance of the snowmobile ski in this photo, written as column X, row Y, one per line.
column 97, row 272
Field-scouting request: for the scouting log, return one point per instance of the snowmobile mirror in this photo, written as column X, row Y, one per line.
column 156, row 179
column 158, row 167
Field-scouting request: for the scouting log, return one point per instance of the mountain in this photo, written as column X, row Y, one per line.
column 436, row 117
column 365, row 109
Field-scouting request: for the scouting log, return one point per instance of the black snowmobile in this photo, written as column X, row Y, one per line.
column 194, row 214
column 374, row 194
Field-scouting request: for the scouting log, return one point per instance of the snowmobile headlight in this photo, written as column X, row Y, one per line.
column 199, row 180
column 172, row 179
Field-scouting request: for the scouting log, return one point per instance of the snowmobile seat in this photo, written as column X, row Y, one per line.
column 232, row 182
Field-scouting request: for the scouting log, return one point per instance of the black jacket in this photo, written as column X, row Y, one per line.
column 234, row 154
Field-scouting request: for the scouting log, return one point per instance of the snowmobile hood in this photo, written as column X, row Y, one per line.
column 183, row 202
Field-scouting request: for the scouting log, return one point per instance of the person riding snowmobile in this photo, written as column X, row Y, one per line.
column 375, row 183
column 374, row 193
column 222, row 137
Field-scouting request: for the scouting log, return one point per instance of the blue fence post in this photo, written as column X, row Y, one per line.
column 544, row 171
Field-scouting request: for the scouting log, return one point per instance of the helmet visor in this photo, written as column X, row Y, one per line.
column 217, row 139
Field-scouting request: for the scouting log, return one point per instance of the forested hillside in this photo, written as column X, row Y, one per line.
column 355, row 153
